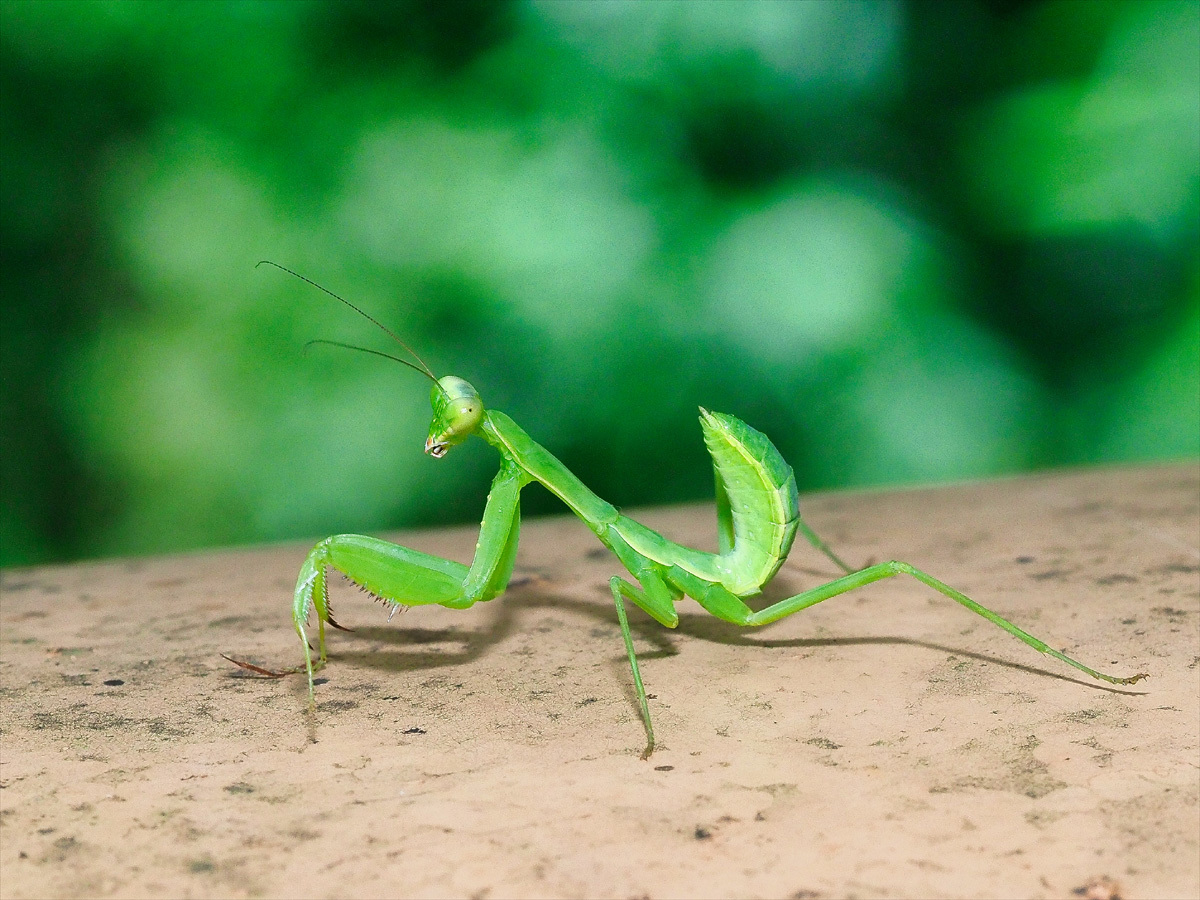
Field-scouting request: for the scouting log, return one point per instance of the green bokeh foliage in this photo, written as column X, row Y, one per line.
column 911, row 242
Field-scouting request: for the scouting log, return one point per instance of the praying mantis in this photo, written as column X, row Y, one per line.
column 758, row 518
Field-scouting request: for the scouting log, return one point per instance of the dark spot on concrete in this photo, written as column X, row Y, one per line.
column 114, row 682
column 664, row 768
column 166, row 582
column 78, row 717
column 317, row 681
column 1174, row 568
column 165, row 729
column 1102, row 888
column 339, row 705
column 1173, row 615
column 1048, row 575
column 1116, row 578
column 416, row 729
column 587, row 700
column 239, row 787
column 1023, row 560
column 702, row 834
column 597, row 553
column 805, row 894
column 823, row 743
column 229, row 621
column 201, row 866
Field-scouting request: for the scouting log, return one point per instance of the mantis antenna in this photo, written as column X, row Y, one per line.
column 403, row 362
column 422, row 368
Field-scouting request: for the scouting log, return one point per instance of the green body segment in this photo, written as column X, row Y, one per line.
column 759, row 486
column 540, row 465
column 764, row 506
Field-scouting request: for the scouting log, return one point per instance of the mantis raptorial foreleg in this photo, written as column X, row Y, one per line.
column 758, row 518
column 389, row 571
column 405, row 577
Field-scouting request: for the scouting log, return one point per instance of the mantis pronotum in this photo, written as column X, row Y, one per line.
column 757, row 517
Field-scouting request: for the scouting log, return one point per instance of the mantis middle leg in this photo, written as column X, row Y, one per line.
column 657, row 598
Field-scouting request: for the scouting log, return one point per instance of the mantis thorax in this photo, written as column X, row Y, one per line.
column 457, row 412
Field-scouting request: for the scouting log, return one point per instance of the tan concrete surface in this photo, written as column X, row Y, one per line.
column 883, row 744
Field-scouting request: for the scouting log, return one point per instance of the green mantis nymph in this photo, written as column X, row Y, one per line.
column 758, row 518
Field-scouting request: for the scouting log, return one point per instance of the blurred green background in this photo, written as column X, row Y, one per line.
column 911, row 242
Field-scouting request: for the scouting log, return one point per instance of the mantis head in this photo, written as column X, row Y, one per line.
column 457, row 412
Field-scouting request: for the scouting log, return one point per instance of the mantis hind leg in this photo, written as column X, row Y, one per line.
column 392, row 573
column 731, row 608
